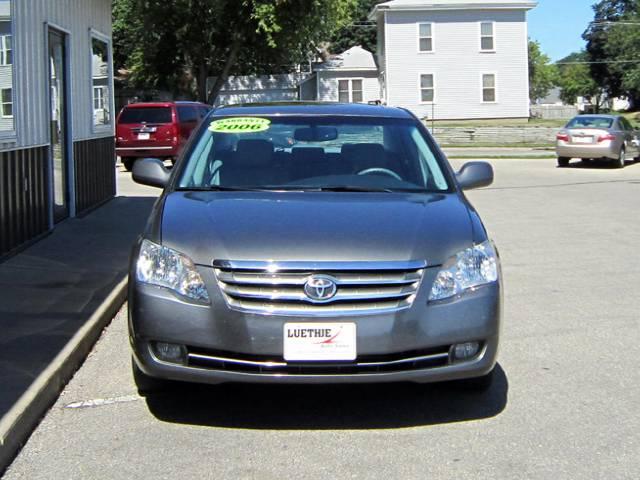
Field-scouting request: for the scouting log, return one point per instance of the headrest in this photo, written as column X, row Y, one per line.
column 364, row 155
column 307, row 154
column 254, row 152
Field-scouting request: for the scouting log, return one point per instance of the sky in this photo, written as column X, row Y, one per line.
column 558, row 25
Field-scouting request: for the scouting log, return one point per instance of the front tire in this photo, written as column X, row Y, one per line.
column 148, row 385
column 619, row 162
column 476, row 384
column 563, row 161
column 128, row 162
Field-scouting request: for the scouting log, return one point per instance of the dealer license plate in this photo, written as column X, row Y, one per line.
column 319, row 341
column 143, row 136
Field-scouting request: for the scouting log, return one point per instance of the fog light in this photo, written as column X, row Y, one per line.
column 170, row 352
column 465, row 351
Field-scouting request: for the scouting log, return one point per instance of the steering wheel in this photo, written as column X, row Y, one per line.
column 384, row 171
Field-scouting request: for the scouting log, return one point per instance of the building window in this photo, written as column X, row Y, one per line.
column 101, row 82
column 98, row 98
column 350, row 91
column 487, row 40
column 6, row 52
column 6, row 106
column 427, row 88
column 425, row 37
column 489, row 87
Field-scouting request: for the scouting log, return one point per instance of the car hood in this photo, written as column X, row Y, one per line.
column 315, row 226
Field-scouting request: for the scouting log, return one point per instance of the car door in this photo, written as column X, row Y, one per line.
column 632, row 137
column 187, row 119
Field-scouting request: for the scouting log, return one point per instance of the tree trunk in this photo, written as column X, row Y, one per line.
column 202, row 82
column 222, row 78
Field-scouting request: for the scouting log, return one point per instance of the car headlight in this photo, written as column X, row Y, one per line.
column 470, row 268
column 165, row 267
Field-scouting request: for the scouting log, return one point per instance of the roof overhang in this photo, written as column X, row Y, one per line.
column 444, row 5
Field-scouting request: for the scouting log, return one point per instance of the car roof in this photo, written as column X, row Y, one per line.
column 595, row 115
column 163, row 104
column 314, row 109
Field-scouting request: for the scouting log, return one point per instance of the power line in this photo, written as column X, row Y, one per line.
column 599, row 63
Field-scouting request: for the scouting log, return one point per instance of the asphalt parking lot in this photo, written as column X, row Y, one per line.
column 565, row 403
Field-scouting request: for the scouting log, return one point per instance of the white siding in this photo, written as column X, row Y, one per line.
column 458, row 64
column 30, row 60
column 328, row 84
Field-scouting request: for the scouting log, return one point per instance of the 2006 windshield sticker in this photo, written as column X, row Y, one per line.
column 240, row 125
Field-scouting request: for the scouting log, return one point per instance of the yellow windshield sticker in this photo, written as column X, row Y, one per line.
column 240, row 125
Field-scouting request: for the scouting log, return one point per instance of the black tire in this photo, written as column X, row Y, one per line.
column 476, row 384
column 127, row 162
column 619, row 162
column 563, row 161
column 148, row 385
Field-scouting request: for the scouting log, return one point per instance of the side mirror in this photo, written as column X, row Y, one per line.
column 150, row 171
column 475, row 175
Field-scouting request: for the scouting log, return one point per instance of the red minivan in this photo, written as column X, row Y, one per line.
column 158, row 129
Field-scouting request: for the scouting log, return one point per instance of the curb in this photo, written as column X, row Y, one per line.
column 22, row 419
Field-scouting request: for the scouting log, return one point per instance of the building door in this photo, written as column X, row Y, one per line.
column 59, row 123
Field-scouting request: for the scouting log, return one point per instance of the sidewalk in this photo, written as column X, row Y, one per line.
column 56, row 296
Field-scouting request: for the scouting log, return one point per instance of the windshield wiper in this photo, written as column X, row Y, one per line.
column 352, row 188
column 221, row 188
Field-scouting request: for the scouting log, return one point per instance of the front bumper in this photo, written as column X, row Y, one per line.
column 225, row 345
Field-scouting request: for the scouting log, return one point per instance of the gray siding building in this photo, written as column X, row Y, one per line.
column 56, row 114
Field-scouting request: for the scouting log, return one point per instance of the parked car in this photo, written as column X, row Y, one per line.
column 351, row 255
column 609, row 137
column 158, row 129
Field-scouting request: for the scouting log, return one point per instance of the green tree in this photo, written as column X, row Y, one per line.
column 359, row 32
column 574, row 79
column 613, row 44
column 176, row 45
column 542, row 73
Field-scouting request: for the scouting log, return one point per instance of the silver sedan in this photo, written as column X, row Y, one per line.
column 609, row 137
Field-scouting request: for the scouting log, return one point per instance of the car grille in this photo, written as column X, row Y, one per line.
column 366, row 364
column 279, row 289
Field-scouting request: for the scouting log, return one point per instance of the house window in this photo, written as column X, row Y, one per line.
column 6, row 106
column 101, row 82
column 488, row 87
column 427, row 88
column 350, row 91
column 6, row 53
column 98, row 98
column 487, row 41
column 425, row 37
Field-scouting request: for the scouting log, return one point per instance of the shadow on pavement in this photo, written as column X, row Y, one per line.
column 50, row 290
column 327, row 407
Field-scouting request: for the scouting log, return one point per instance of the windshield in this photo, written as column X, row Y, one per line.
column 590, row 122
column 318, row 153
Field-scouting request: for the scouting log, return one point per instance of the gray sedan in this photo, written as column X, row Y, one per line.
column 609, row 137
column 314, row 243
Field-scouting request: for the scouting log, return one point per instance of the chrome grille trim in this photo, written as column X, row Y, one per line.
column 277, row 367
column 277, row 288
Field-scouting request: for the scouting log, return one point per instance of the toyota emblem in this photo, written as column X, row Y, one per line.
column 320, row 288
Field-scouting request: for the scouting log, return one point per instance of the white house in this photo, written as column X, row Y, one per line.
column 351, row 76
column 454, row 59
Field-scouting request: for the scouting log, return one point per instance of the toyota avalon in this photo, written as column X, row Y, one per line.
column 313, row 243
